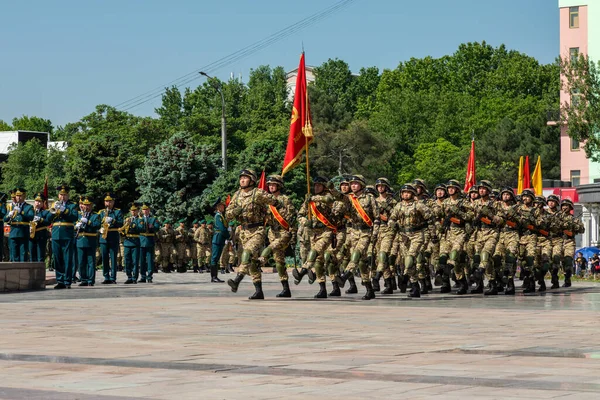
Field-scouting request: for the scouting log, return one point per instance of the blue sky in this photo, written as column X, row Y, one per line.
column 58, row 60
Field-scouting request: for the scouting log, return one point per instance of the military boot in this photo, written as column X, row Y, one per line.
column 375, row 282
column 352, row 289
column 235, row 283
column 322, row 291
column 554, row 280
column 403, row 283
column 312, row 277
column 196, row 269
column 424, row 286
column 286, row 290
column 567, row 279
column 389, row 288
column 464, row 286
column 493, row 290
column 415, row 290
column 222, row 270
column 370, row 292
column 336, row 290
column 258, row 294
column 510, row 286
column 298, row 275
column 214, row 278
column 393, row 283
column 230, row 268
column 428, row 284
column 542, row 284
column 478, row 289
column 530, row 288
column 341, row 279
column 446, row 287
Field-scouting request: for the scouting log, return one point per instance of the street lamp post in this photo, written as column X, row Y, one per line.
column 223, row 121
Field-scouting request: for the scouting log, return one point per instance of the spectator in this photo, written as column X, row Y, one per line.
column 580, row 265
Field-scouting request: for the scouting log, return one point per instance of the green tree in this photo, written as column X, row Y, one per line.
column 36, row 124
column 24, row 167
column 4, row 126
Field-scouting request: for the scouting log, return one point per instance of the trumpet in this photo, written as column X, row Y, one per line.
column 124, row 230
column 81, row 225
column 105, row 225
column 56, row 210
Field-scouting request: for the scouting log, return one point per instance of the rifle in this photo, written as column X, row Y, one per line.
column 451, row 218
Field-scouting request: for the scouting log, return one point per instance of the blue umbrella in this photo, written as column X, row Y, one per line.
column 588, row 251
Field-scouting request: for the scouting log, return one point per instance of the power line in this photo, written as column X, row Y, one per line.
column 237, row 55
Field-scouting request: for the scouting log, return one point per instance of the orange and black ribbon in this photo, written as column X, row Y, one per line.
column 361, row 211
column 323, row 219
column 284, row 224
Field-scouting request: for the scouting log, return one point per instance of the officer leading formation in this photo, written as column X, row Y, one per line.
column 351, row 231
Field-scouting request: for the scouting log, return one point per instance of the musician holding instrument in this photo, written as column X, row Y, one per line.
column 86, row 238
column 64, row 216
column 112, row 220
column 131, row 244
column 148, row 226
column 38, row 229
column 18, row 217
column 3, row 197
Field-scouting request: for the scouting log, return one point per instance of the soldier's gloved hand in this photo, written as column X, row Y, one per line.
column 62, row 208
column 497, row 220
column 37, row 218
column 109, row 220
column 236, row 211
column 84, row 220
column 78, row 225
column 17, row 210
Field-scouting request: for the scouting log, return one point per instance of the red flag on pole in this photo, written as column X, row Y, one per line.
column 301, row 125
column 526, row 175
column 470, row 180
column 262, row 183
column 228, row 200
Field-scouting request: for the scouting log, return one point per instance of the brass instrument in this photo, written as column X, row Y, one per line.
column 55, row 211
column 124, row 230
column 33, row 225
column 81, row 225
column 105, row 225
column 13, row 214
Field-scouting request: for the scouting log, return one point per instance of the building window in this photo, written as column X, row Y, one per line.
column 574, row 144
column 573, row 17
column 575, row 97
column 573, row 54
column 575, row 177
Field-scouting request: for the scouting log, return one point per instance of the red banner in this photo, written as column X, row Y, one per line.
column 262, row 182
column 526, row 175
column 301, row 125
column 470, row 180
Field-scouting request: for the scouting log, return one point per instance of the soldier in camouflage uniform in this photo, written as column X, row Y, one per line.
column 364, row 215
column 202, row 240
column 191, row 245
column 473, row 258
column 166, row 240
column 340, row 255
column 411, row 219
column 530, row 222
column 440, row 193
column 571, row 227
column 249, row 207
column 487, row 228
column 383, row 246
column 424, row 197
column 181, row 239
column 507, row 248
column 281, row 223
column 543, row 253
column 316, row 214
column 456, row 213
column 555, row 236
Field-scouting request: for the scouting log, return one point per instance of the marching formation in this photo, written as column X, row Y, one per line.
column 357, row 230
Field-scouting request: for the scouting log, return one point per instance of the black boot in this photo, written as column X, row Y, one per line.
column 478, row 289
column 403, row 283
column 510, row 287
column 286, row 290
column 424, row 286
column 214, row 278
column 341, row 279
column 493, row 290
column 312, row 277
column 222, row 270
column 567, row 279
column 446, row 287
column 196, row 269
column 542, row 284
column 415, row 290
column 322, row 291
column 464, row 286
column 298, row 275
column 530, row 288
column 370, row 292
column 230, row 268
column 428, row 284
column 375, row 282
column 389, row 287
column 555, row 283
column 352, row 289
column 393, row 283
column 235, row 283
column 336, row 290
column 258, row 294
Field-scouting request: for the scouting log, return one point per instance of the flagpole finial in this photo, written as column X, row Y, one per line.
column 303, row 47
column 473, row 135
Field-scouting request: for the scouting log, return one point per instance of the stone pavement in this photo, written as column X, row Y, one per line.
column 185, row 338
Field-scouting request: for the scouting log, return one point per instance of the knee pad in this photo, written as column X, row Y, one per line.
column 246, row 256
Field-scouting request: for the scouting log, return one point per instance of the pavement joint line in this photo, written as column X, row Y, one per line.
column 40, row 394
column 347, row 375
column 526, row 352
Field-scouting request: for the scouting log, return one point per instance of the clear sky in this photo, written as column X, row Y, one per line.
column 59, row 59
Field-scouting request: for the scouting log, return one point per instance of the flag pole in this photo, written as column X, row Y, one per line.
column 306, row 122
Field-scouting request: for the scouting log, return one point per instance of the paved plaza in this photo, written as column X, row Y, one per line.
column 185, row 338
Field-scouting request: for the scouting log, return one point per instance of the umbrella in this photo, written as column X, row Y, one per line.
column 588, row 251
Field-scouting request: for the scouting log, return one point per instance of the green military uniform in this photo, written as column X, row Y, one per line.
column 507, row 247
column 3, row 211
column 385, row 239
column 202, row 243
column 112, row 220
column 181, row 239
column 530, row 222
column 38, row 240
column 249, row 206
column 86, row 238
column 63, row 221
column 220, row 235
column 571, row 227
column 191, row 245
column 148, row 227
column 166, row 246
column 131, row 245
column 19, row 216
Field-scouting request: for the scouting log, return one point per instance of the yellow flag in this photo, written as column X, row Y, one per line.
column 521, row 177
column 536, row 178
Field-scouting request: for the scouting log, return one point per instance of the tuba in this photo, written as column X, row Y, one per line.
column 105, row 225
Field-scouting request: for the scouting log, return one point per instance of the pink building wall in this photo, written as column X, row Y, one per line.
column 572, row 37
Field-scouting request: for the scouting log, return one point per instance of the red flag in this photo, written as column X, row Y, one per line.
column 262, row 183
column 228, row 200
column 46, row 192
column 301, row 125
column 526, row 174
column 470, row 180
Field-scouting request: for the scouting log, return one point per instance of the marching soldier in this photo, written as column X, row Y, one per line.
column 112, row 220
column 364, row 215
column 411, row 218
column 148, row 226
column 63, row 221
column 572, row 227
column 38, row 238
column 544, row 248
column 383, row 246
column 280, row 221
column 507, row 248
column 86, row 238
column 180, row 246
column 440, row 193
column 340, row 253
column 555, row 227
column 131, row 244
column 191, row 244
column 202, row 241
column 530, row 222
column 166, row 240
column 474, row 259
column 220, row 235
column 19, row 215
column 248, row 206
column 424, row 196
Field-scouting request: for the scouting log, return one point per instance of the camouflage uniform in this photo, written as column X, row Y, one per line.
column 166, row 240
column 530, row 222
column 507, row 248
column 192, row 250
column 249, row 207
column 202, row 242
column 385, row 239
column 181, row 240
column 571, row 227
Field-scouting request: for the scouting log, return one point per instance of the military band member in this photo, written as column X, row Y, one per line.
column 131, row 244
column 220, row 235
column 148, row 227
column 249, row 206
column 112, row 220
column 86, row 236
column 38, row 239
column 181, row 239
column 63, row 221
column 3, row 197
column 19, row 215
